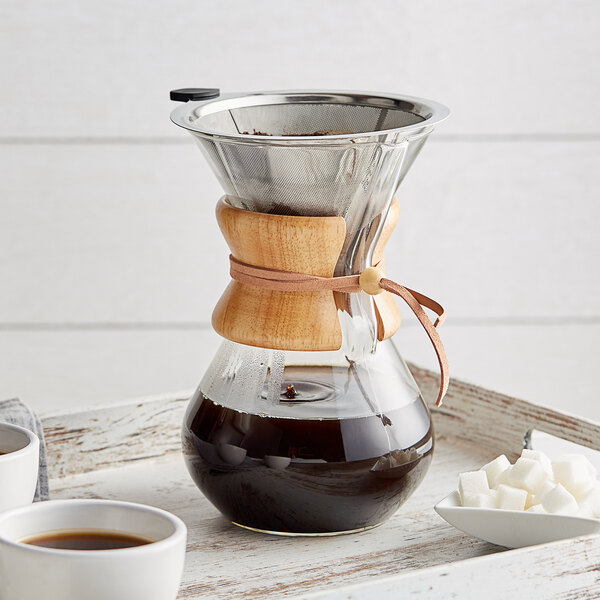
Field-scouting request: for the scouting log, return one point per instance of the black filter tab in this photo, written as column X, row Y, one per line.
column 187, row 94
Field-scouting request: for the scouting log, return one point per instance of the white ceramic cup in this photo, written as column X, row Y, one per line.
column 149, row 572
column 19, row 463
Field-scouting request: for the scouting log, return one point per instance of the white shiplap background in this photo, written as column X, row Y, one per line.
column 110, row 256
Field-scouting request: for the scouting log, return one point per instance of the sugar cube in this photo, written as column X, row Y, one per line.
column 529, row 502
column 546, row 487
column 479, row 501
column 573, row 472
column 540, row 457
column 592, row 469
column 504, row 477
column 511, row 498
column 536, row 508
column 494, row 495
column 559, row 500
column 585, row 511
column 472, row 482
column 528, row 474
column 495, row 468
column 591, row 500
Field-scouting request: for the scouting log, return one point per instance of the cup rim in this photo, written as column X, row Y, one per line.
column 33, row 442
column 179, row 532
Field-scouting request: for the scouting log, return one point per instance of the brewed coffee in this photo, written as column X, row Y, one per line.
column 86, row 540
column 306, row 475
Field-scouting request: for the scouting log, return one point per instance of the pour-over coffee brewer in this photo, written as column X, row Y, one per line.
column 308, row 421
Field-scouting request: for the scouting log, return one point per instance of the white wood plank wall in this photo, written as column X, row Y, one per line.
column 106, row 209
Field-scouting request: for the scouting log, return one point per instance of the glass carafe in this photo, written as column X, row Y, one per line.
column 312, row 442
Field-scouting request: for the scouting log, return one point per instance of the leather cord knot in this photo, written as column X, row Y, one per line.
column 372, row 280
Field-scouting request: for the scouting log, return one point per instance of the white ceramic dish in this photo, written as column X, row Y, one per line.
column 18, row 466
column 149, row 572
column 513, row 528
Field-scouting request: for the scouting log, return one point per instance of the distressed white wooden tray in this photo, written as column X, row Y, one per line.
column 132, row 452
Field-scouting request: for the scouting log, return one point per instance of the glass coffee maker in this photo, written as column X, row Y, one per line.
column 308, row 421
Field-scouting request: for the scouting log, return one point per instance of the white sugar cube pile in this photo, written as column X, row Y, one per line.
column 567, row 485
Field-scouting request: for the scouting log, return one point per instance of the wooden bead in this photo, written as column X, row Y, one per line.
column 369, row 281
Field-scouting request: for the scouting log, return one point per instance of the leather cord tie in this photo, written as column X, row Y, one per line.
column 371, row 281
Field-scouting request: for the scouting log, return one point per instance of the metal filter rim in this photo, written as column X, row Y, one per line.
column 430, row 111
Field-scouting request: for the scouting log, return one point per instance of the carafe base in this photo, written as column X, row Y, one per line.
column 322, row 534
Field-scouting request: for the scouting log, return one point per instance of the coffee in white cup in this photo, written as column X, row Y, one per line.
column 45, row 551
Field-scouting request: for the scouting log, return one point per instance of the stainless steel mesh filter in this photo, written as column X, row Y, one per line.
column 310, row 153
column 307, row 118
